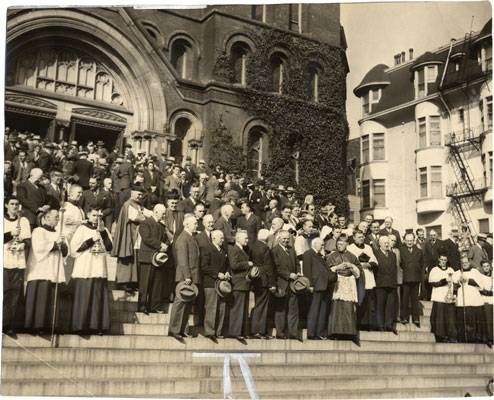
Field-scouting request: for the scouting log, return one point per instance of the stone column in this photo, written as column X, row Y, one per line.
column 194, row 145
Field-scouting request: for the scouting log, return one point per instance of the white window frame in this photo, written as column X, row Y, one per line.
column 430, row 181
column 427, row 80
column 371, row 100
column 428, row 174
column 484, row 62
column 371, row 194
column 373, row 205
column 428, row 132
column 373, row 147
column 368, row 137
column 362, row 193
column 427, row 189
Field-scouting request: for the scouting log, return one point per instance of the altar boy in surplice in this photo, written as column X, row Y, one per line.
column 89, row 247
column 44, row 270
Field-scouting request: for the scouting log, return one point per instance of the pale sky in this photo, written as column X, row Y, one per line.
column 375, row 32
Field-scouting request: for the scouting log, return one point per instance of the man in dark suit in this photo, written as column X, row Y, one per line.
column 272, row 213
column 187, row 205
column 124, row 173
column 108, row 202
column 239, row 267
column 431, row 249
column 54, row 190
column 260, row 255
column 45, row 161
column 151, row 176
column 32, row 197
column 450, row 248
column 317, row 271
column 83, row 168
column 286, row 269
column 388, row 230
column 174, row 219
column 372, row 238
column 259, row 200
column 153, row 239
column 10, row 151
column 224, row 224
column 190, row 170
column 249, row 223
column 203, row 237
column 412, row 263
column 386, row 276
column 187, row 261
column 90, row 197
column 214, row 265
column 21, row 168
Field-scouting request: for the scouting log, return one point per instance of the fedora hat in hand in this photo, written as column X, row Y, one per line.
column 253, row 273
column 186, row 293
column 300, row 284
column 159, row 258
column 223, row 288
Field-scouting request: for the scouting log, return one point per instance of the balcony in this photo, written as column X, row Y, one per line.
column 428, row 205
column 461, row 190
column 467, row 138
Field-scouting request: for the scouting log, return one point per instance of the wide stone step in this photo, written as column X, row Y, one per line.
column 203, row 344
column 148, row 370
column 281, row 357
column 122, row 316
column 120, row 296
column 162, row 329
column 359, row 394
column 170, row 387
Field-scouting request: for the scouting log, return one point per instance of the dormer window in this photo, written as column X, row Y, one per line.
column 425, row 80
column 368, row 99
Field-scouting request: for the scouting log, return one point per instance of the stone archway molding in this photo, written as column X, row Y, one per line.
column 133, row 66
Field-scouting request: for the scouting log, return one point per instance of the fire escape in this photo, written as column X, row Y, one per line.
column 468, row 190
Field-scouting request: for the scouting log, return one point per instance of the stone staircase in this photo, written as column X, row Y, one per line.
column 139, row 360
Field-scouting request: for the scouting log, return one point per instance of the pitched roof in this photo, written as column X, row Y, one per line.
column 375, row 77
column 397, row 82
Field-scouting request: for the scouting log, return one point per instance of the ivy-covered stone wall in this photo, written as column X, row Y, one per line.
column 318, row 130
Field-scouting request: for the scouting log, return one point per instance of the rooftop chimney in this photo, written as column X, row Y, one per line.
column 402, row 57
column 397, row 59
column 410, row 54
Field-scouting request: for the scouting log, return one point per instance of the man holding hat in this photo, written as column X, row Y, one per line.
column 321, row 286
column 287, row 269
column 239, row 265
column 214, row 264
column 153, row 240
column 265, row 283
column 188, row 274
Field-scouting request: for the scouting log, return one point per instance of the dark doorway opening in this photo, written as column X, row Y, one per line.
column 86, row 133
column 28, row 123
column 182, row 126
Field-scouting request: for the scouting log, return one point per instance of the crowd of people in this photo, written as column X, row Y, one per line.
column 198, row 239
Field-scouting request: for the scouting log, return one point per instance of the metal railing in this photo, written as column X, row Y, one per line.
column 458, row 189
column 465, row 135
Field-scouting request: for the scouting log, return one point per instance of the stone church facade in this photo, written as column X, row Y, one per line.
column 147, row 77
